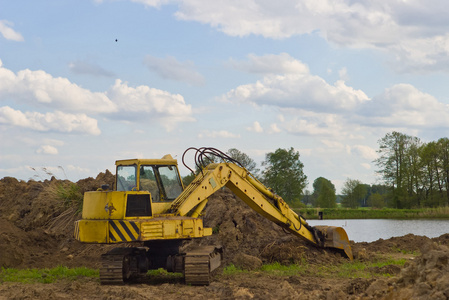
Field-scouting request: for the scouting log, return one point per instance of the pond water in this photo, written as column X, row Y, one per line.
column 370, row 230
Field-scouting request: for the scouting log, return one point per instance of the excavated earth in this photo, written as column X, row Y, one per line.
column 36, row 231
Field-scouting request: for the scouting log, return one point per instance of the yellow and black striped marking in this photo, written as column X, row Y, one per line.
column 123, row 231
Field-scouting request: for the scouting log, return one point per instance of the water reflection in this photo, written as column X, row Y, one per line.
column 364, row 230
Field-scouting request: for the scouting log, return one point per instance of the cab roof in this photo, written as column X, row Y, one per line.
column 166, row 160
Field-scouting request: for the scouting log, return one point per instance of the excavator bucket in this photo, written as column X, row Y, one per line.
column 336, row 237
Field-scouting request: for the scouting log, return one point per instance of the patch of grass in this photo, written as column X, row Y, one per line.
column 346, row 270
column 162, row 276
column 275, row 269
column 70, row 194
column 415, row 253
column 232, row 270
column 356, row 269
column 45, row 275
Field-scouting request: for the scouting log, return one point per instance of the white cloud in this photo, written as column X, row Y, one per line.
column 364, row 151
column 53, row 142
column 72, row 168
column 315, row 124
column 255, row 127
column 9, row 33
column 171, row 68
column 414, row 32
column 299, row 90
column 88, row 68
column 366, row 166
column 218, row 134
column 271, row 64
column 151, row 3
column 403, row 105
column 314, row 107
column 343, row 74
column 274, row 128
column 42, row 89
column 47, row 149
column 333, row 144
column 38, row 88
column 149, row 103
column 57, row 121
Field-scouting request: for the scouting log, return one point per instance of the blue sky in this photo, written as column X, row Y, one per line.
column 328, row 78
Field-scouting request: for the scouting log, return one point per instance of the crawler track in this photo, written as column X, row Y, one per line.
column 123, row 265
column 200, row 263
column 119, row 266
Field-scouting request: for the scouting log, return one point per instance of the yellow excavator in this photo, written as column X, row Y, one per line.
column 150, row 207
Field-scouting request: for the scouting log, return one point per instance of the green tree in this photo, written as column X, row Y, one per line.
column 376, row 200
column 186, row 180
column 443, row 148
column 307, row 198
column 244, row 159
column 324, row 193
column 354, row 192
column 398, row 166
column 284, row 174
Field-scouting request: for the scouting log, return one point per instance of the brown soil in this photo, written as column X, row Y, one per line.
column 36, row 231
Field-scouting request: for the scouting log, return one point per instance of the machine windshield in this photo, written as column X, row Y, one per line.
column 126, row 178
column 170, row 181
column 162, row 182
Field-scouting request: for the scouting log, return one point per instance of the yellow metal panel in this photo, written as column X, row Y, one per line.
column 160, row 207
column 207, row 231
column 91, row 231
column 102, row 205
column 172, row 228
column 151, row 230
column 187, row 229
column 169, row 229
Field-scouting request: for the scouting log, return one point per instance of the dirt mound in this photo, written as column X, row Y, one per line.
column 425, row 277
column 37, row 222
column 240, row 230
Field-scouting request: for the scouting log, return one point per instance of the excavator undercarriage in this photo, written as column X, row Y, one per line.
column 131, row 264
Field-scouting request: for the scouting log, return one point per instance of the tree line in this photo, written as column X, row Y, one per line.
column 414, row 174
column 417, row 173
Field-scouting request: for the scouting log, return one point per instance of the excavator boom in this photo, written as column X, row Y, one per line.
column 260, row 199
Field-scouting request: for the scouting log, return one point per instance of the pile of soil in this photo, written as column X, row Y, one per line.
column 36, row 231
column 242, row 232
column 425, row 277
column 37, row 223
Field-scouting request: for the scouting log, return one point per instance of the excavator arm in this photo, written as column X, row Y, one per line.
column 215, row 176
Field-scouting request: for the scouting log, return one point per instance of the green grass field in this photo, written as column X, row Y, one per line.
column 45, row 275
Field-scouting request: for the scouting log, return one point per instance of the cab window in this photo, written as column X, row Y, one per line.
column 148, row 182
column 126, row 178
column 170, row 181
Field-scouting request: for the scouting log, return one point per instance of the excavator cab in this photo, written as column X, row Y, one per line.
column 162, row 181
